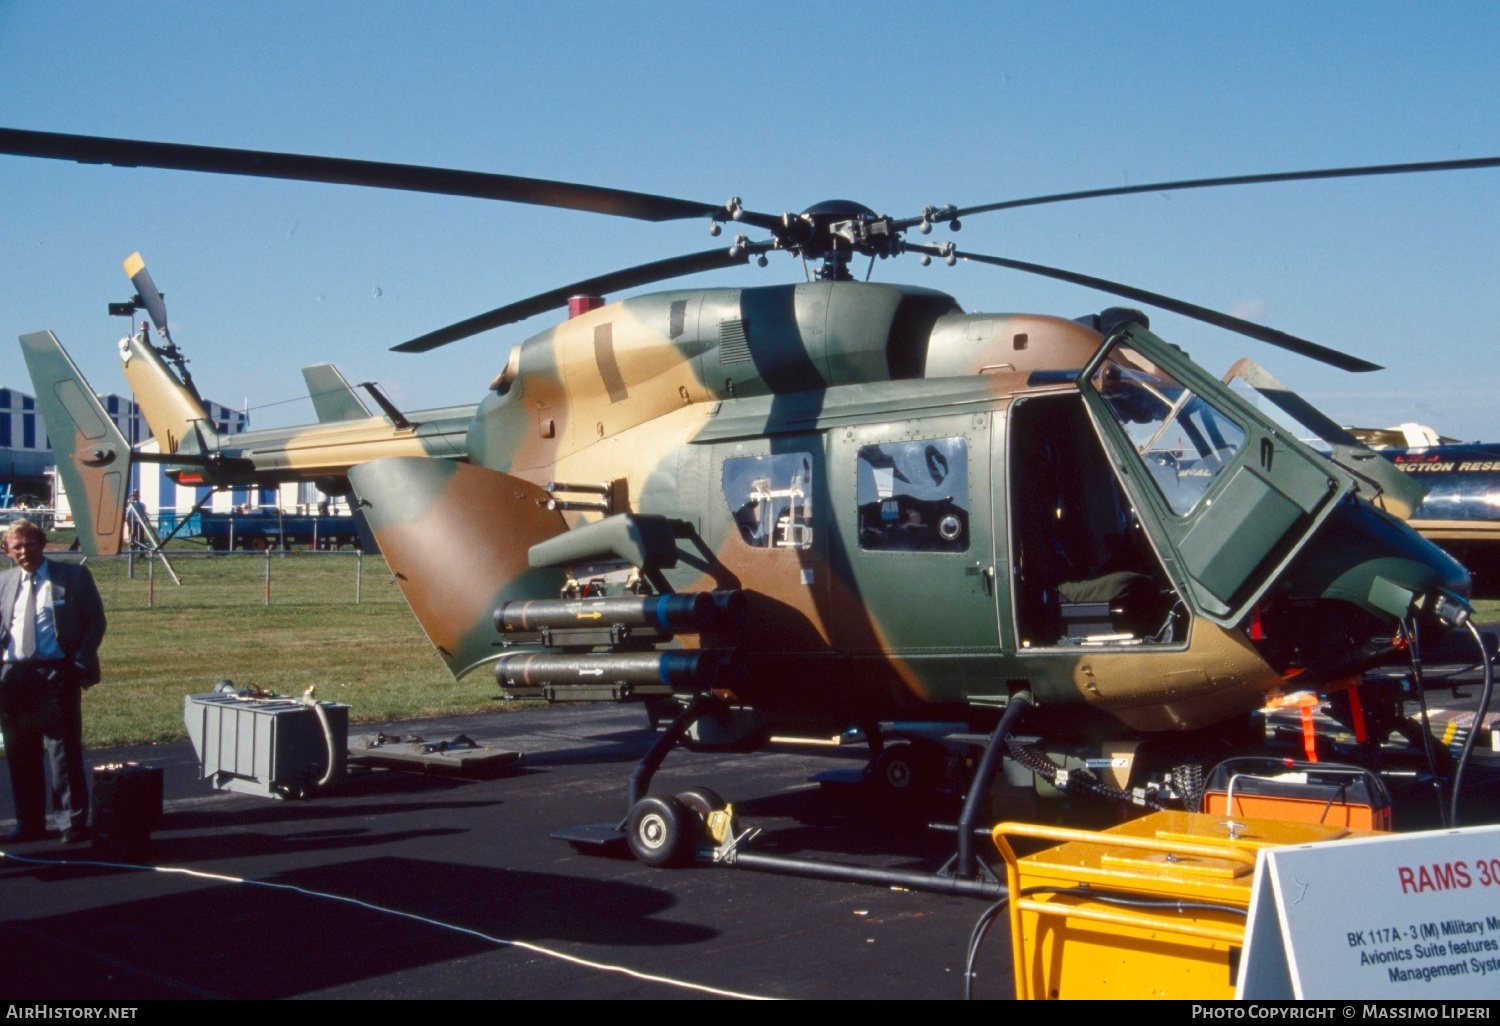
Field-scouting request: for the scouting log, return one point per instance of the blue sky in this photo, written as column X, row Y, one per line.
column 783, row 104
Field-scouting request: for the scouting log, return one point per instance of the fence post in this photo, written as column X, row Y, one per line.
column 359, row 572
column 150, row 583
column 268, row 575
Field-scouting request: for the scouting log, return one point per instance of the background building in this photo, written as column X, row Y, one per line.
column 26, row 462
column 25, row 457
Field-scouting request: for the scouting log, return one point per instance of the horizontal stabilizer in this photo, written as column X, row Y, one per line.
column 332, row 396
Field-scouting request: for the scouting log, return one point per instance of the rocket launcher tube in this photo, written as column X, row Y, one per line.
column 680, row 670
column 675, row 613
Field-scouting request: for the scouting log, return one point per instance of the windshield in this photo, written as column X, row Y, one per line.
column 1183, row 440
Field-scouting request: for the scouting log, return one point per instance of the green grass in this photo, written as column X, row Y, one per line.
column 167, row 641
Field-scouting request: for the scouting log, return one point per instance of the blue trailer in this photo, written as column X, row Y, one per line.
column 262, row 530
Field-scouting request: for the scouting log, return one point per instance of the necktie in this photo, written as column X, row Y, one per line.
column 26, row 643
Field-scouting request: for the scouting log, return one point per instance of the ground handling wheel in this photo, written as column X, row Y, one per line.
column 905, row 772
column 661, row 831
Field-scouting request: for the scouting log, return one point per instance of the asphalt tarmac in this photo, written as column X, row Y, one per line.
column 409, row 885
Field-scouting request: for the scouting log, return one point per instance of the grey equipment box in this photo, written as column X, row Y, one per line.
column 273, row 747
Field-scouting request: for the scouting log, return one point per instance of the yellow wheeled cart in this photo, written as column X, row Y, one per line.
column 1153, row 908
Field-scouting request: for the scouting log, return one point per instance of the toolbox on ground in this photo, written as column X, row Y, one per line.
column 127, row 804
column 1333, row 794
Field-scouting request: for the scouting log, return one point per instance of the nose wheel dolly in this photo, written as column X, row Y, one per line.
column 697, row 825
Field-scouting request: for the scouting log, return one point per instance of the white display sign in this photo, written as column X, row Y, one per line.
column 1411, row 917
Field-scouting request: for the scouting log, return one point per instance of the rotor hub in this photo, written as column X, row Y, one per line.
column 835, row 230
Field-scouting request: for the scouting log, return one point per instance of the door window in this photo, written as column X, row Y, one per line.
column 1234, row 507
column 914, row 496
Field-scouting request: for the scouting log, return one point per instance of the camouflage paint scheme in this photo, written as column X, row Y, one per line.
column 474, row 527
column 653, row 395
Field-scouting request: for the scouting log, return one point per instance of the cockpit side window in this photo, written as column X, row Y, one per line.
column 1184, row 441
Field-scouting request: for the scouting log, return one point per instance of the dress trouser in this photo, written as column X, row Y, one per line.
column 41, row 711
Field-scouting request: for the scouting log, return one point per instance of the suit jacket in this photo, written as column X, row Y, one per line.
column 77, row 610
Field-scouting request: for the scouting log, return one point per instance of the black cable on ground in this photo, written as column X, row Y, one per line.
column 976, row 939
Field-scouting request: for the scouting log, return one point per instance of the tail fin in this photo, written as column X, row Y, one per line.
column 457, row 538
column 93, row 458
column 332, row 397
column 172, row 411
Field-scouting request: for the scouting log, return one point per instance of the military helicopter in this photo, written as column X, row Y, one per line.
column 841, row 502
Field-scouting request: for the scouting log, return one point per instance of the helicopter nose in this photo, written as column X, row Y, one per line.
column 1372, row 560
column 1365, row 591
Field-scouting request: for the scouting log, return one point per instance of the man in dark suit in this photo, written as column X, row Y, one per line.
column 51, row 625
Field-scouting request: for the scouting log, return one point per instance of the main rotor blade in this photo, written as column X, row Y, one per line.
column 1301, row 346
column 88, row 149
column 645, row 274
column 1210, row 183
column 146, row 289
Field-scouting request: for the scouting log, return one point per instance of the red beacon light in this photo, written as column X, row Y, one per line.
column 579, row 305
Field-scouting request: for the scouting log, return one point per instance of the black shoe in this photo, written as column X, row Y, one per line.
column 75, row 835
column 20, row 835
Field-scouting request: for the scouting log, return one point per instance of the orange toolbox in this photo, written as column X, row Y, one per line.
column 1332, row 794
